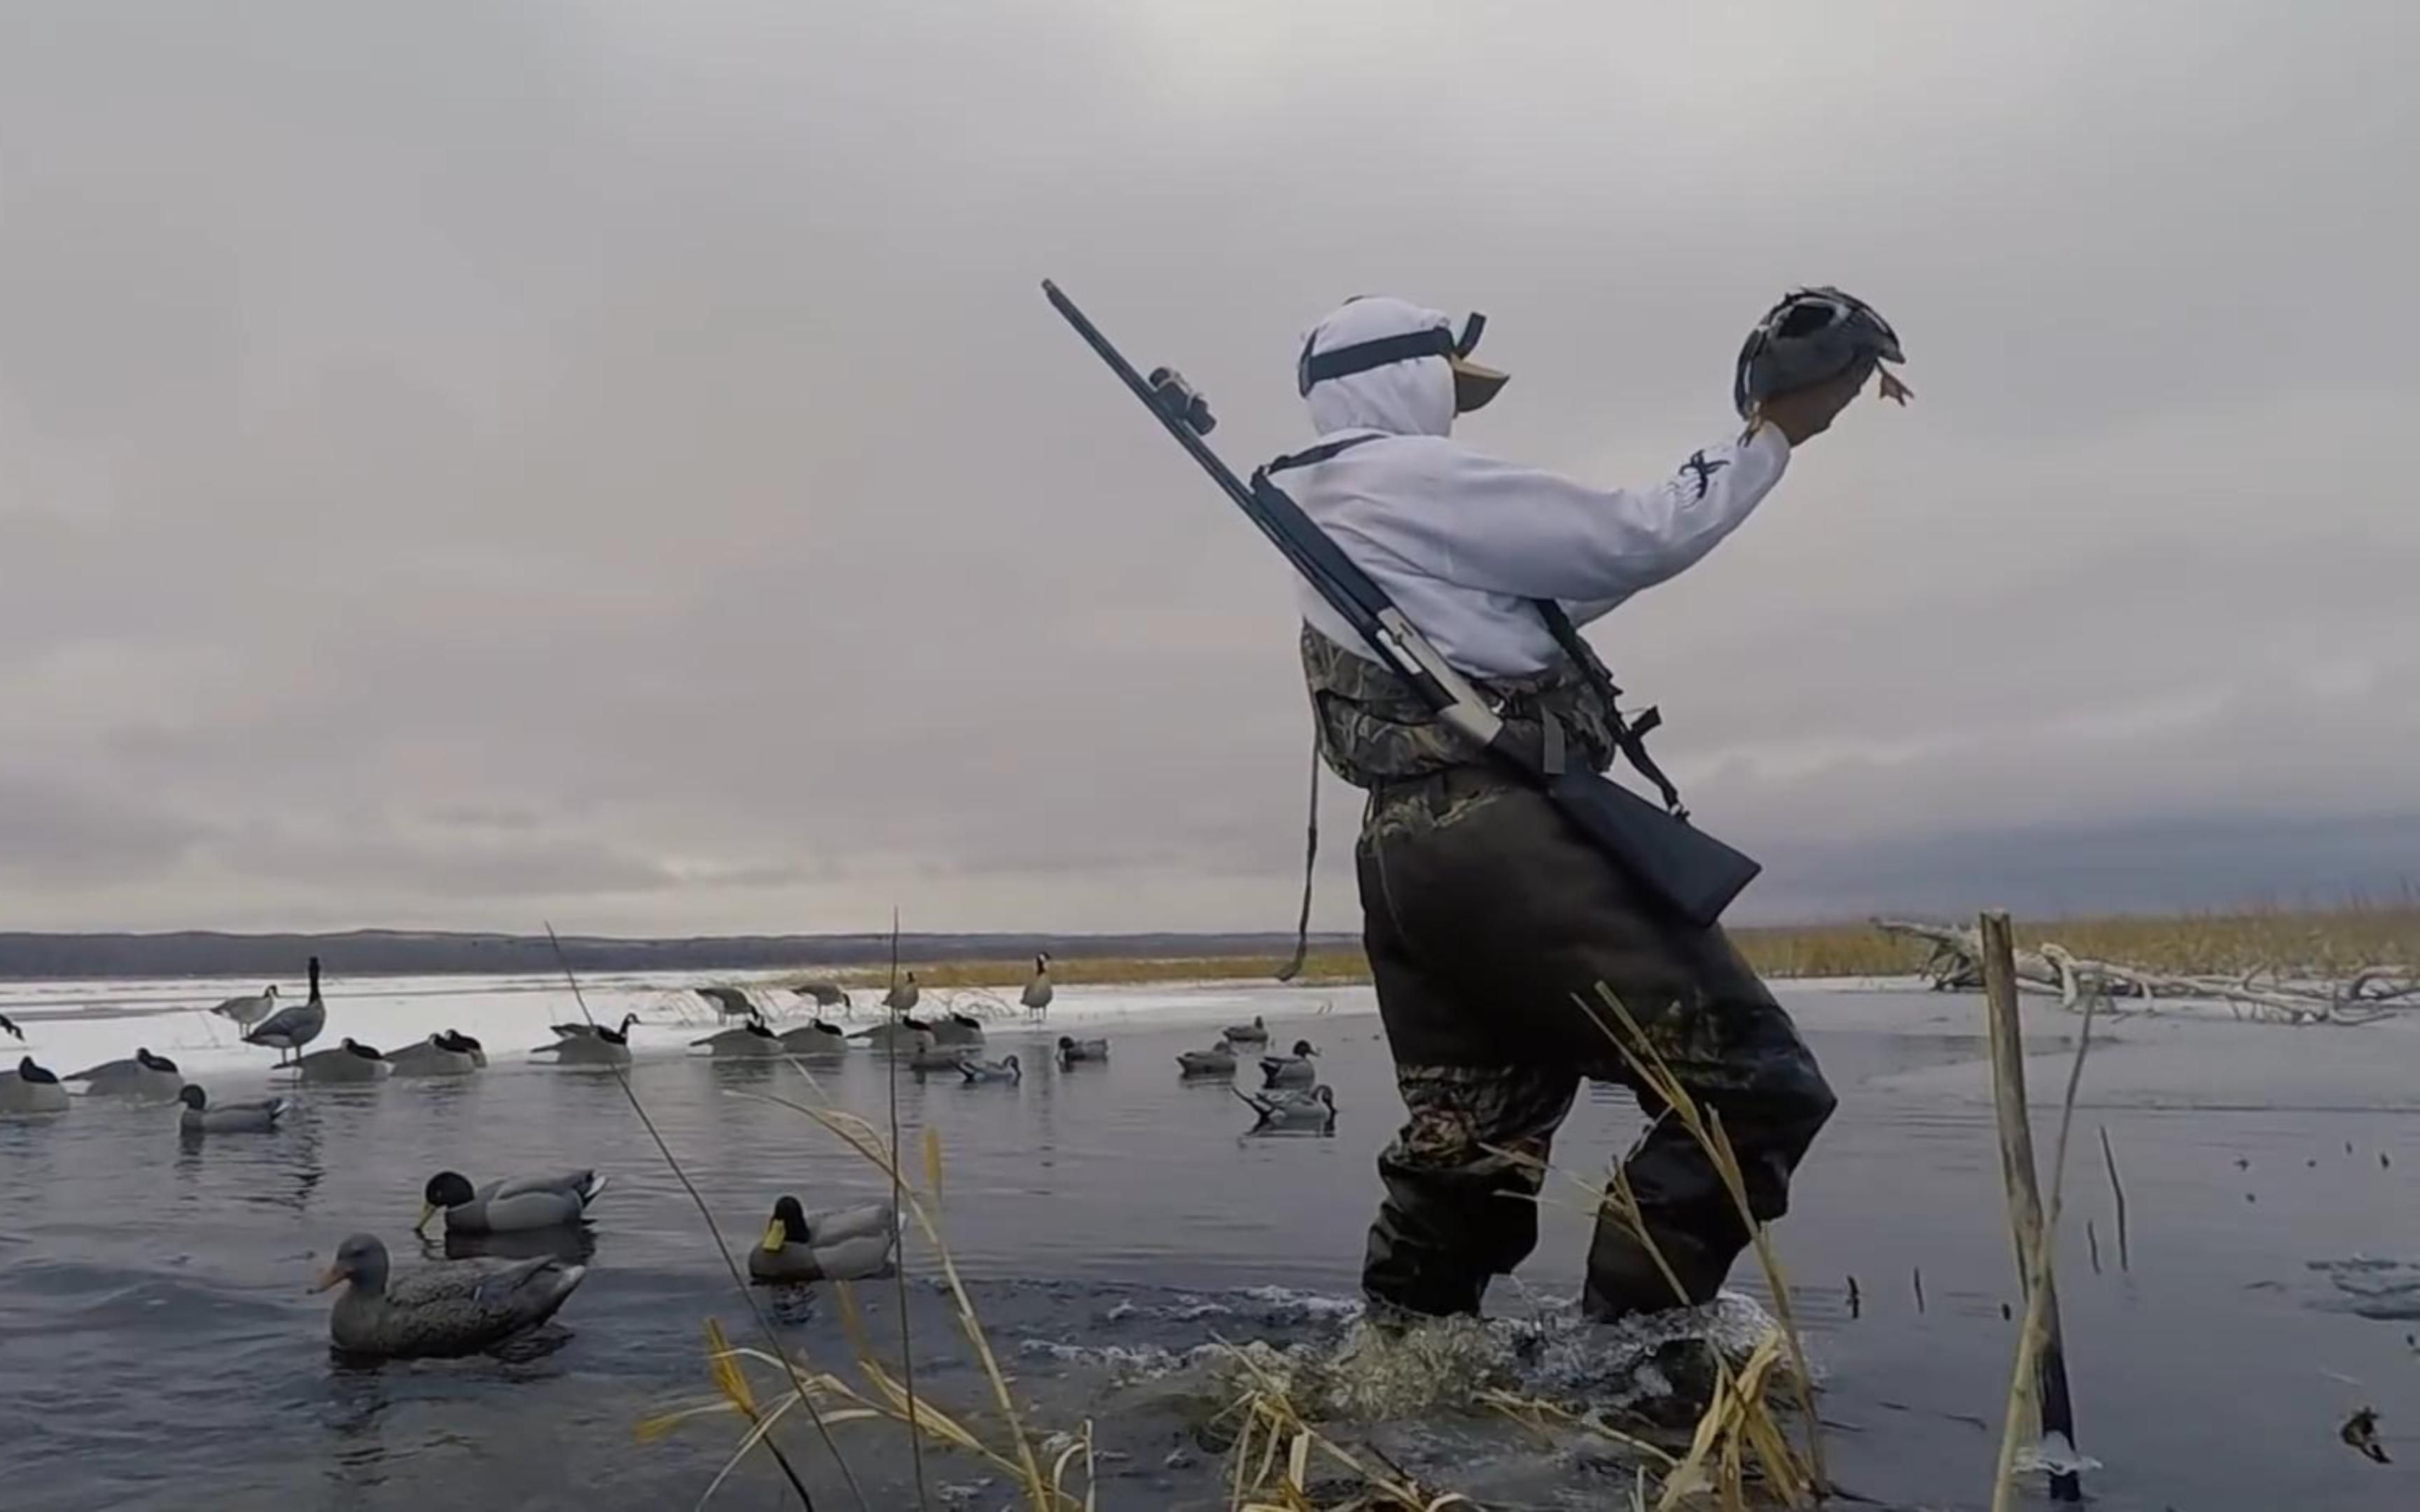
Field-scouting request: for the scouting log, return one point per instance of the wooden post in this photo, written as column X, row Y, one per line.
column 2025, row 1186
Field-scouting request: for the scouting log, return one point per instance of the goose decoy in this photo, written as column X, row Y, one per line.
column 510, row 1205
column 461, row 1307
column 904, row 1036
column 619, row 1034
column 145, row 1078
column 1314, row 1110
column 731, row 1002
column 815, row 1041
column 199, row 1117
column 1218, row 1061
column 1038, row 995
column 31, row 1088
column 825, row 993
column 288, row 1029
column 1254, row 1033
column 846, row 1244
column 1073, row 1050
column 349, row 1061
column 9, row 1027
column 1003, row 1070
column 956, row 1031
column 750, row 1038
column 904, row 997
column 590, row 1044
column 243, row 1012
column 443, row 1054
column 1289, row 1071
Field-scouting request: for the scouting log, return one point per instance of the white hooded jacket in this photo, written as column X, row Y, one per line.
column 1462, row 542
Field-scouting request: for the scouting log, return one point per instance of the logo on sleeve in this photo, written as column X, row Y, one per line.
column 1703, row 469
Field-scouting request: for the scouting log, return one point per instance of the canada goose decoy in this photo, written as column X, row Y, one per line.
column 815, row 1041
column 1314, row 1110
column 1072, row 1050
column 1038, row 992
column 31, row 1088
column 9, row 1027
column 349, row 1061
column 1003, row 1070
column 905, row 1035
column 825, row 993
column 243, row 1012
column 145, row 1078
column 1255, row 1032
column 845, row 1244
column 1289, row 1071
column 461, row 1307
column 1218, row 1061
column 904, row 997
column 199, row 1117
column 751, row 1039
column 731, row 1002
column 508, row 1206
column 443, row 1054
column 956, row 1031
column 590, row 1044
column 619, row 1034
column 288, row 1029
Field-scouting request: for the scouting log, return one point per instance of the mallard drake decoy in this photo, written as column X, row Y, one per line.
column 510, row 1205
column 590, row 1044
column 731, row 1002
column 1289, row 1071
column 243, row 1012
column 443, row 1054
column 288, row 1029
column 750, row 1038
column 1072, row 1050
column 146, row 1077
column 1255, row 1032
column 1313, row 1110
column 461, row 1307
column 199, row 1117
column 1218, row 1061
column 31, row 1088
column 902, row 1036
column 1003, row 1070
column 815, row 1041
column 846, row 1244
column 904, row 997
column 9, row 1027
column 956, row 1031
column 349, row 1061
column 825, row 993
column 1038, row 992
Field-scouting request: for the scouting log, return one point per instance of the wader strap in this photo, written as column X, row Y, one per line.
column 1629, row 737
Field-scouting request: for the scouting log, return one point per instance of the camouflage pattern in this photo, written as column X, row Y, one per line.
column 1373, row 729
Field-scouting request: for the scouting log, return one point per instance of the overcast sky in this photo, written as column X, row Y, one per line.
column 467, row 464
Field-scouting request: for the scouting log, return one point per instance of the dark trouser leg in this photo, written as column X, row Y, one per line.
column 1491, row 927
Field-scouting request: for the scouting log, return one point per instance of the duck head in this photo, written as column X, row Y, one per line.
column 789, row 1226
column 1305, row 1048
column 446, row 1189
column 362, row 1261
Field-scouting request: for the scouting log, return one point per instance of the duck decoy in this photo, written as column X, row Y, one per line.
column 1289, row 1071
column 956, row 1031
column 1254, row 1033
column 1038, row 992
column 443, row 1054
column 825, row 993
column 288, row 1029
column 199, row 1117
column 1072, row 1051
column 31, row 1088
column 145, row 1078
column 751, row 1039
column 904, row 997
column 815, row 1041
column 1314, row 1110
column 1218, row 1061
column 9, row 1027
column 510, row 1205
column 590, row 1044
column 349, row 1061
column 243, row 1012
column 1003, row 1070
column 461, row 1307
column 845, row 1244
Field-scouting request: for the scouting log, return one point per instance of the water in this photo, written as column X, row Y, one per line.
column 158, row 1348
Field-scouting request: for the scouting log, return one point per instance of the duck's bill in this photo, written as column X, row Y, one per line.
column 427, row 1210
column 330, row 1276
column 774, row 1236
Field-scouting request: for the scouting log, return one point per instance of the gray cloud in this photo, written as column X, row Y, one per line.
column 459, row 465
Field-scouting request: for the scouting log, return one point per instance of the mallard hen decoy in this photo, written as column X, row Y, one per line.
column 1003, row 1070
column 1255, row 1032
column 1289, row 1071
column 750, row 1038
column 31, row 1088
column 288, row 1029
column 443, row 1054
column 461, row 1307
column 845, row 1244
column 816, row 1040
column 199, row 1117
column 243, row 1012
column 349, row 1061
column 1038, row 992
column 1072, row 1050
column 1314, row 1110
column 510, row 1205
column 144, row 1077
column 1218, row 1061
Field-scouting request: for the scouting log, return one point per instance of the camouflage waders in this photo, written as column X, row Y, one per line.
column 1486, row 914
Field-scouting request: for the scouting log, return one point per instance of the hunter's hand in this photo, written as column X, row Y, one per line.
column 1809, row 411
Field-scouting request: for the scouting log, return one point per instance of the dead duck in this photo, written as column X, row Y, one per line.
column 1073, row 1051
column 349, row 1061
column 751, row 1040
column 199, row 1117
column 816, row 1040
column 845, row 1244
column 1290, row 1071
column 288, row 1029
column 1218, row 1061
column 443, row 1054
column 1313, row 1111
column 1003, row 1070
column 1038, row 992
column 459, row 1308
column 144, row 1077
column 31, row 1088
column 1255, row 1032
column 510, row 1205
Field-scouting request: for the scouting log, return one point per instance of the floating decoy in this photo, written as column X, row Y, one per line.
column 815, row 1041
column 956, row 1031
column 510, row 1205
column 904, row 1036
column 288, row 1029
column 349, row 1061
column 1003, row 1070
column 443, row 1054
column 145, row 1078
column 846, row 1244
column 199, row 1117
column 1314, row 1110
column 1073, row 1050
column 459, row 1308
column 31, row 1088
column 590, row 1044
column 1289, row 1071
column 1038, row 992
column 1254, row 1033
column 751, row 1039
column 1218, row 1061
